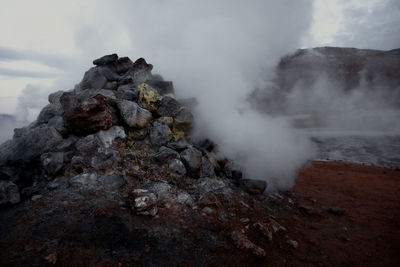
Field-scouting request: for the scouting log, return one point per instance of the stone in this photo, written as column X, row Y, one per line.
column 85, row 181
column 177, row 167
column 164, row 155
column 112, row 181
column 159, row 134
column 57, row 123
column 36, row 197
column 123, row 65
column 109, row 74
column 54, row 98
column 179, row 144
column 207, row 169
column 242, row 242
column 133, row 115
column 169, row 107
column 144, row 202
column 183, row 120
column 185, row 198
column 254, row 187
column 208, row 210
column 111, row 85
column 148, row 97
column 52, row 162
column 105, row 60
column 9, row 193
column 48, row 112
column 30, row 145
column 107, row 137
column 107, row 93
column 161, row 189
column 86, row 116
column 128, row 92
column 93, row 79
column 191, row 158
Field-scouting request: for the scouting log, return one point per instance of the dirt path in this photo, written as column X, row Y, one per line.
column 366, row 234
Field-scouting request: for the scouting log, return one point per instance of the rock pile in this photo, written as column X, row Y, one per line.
column 120, row 136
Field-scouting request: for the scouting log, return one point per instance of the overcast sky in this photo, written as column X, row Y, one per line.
column 50, row 43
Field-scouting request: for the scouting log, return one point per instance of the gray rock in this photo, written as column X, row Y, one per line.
column 161, row 189
column 36, row 197
column 208, row 210
column 253, row 186
column 176, row 166
column 123, row 64
column 109, row 94
column 54, row 98
column 52, row 162
column 9, row 193
column 179, row 144
column 112, row 181
column 88, row 144
column 192, row 157
column 85, row 181
column 30, row 145
column 164, row 155
column 67, row 143
column 134, row 115
column 109, row 74
column 48, row 112
column 108, row 137
column 159, row 134
column 93, row 79
column 105, row 60
column 111, row 85
column 185, row 198
column 207, row 169
column 213, row 185
column 169, row 107
column 57, row 123
column 128, row 92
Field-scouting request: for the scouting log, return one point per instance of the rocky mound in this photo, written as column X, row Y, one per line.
column 109, row 174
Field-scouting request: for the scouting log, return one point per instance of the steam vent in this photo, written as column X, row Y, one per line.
column 108, row 174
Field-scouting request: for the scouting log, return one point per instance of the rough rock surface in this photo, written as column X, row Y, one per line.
column 110, row 174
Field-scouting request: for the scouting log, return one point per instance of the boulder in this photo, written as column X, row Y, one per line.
column 207, row 169
column 164, row 155
column 52, row 162
column 133, row 115
column 54, row 98
column 128, row 92
column 106, row 60
column 162, row 87
column 192, row 158
column 177, row 167
column 148, row 97
column 253, row 187
column 9, row 193
column 93, row 79
column 107, row 137
column 159, row 134
column 123, row 65
column 48, row 112
column 86, row 116
column 169, row 107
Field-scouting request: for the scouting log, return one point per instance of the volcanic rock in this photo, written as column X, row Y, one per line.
column 9, row 193
column 254, row 187
column 105, row 60
column 192, row 159
column 134, row 115
column 159, row 134
column 88, row 116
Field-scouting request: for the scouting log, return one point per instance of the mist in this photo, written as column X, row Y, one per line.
column 217, row 52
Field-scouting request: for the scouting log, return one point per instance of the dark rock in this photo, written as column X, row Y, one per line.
column 128, row 92
column 254, row 187
column 105, row 60
column 57, row 123
column 85, row 181
column 48, row 112
column 141, row 64
column 112, row 181
column 176, row 166
column 159, row 134
column 110, row 75
column 88, row 116
column 93, row 79
column 336, row 210
column 111, row 85
column 179, row 144
column 30, row 145
column 192, row 157
column 52, row 162
column 9, row 193
column 133, row 115
column 54, row 98
column 169, row 107
column 123, row 65
column 164, row 155
column 183, row 120
column 207, row 169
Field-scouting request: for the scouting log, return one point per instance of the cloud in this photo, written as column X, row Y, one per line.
column 26, row 73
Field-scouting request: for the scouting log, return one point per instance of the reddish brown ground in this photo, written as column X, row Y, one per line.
column 367, row 234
